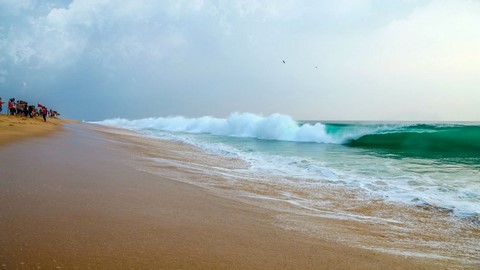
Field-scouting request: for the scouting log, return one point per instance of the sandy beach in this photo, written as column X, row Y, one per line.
column 16, row 127
column 71, row 197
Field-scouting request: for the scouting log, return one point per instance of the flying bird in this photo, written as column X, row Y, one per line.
column 284, row 61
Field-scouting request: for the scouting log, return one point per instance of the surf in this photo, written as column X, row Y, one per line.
column 274, row 127
column 394, row 163
column 413, row 139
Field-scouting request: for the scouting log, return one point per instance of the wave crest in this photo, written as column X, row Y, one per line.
column 420, row 140
column 274, row 127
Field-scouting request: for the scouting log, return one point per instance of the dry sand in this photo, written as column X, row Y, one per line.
column 16, row 127
column 73, row 200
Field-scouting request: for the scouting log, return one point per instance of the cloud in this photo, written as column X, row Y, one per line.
column 213, row 57
column 116, row 31
column 442, row 37
column 64, row 34
column 425, row 62
column 15, row 6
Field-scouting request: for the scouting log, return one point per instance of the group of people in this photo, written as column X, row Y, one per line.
column 21, row 108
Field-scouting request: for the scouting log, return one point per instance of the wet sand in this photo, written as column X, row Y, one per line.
column 75, row 200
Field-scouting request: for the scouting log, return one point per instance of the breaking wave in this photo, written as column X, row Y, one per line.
column 274, row 127
column 417, row 139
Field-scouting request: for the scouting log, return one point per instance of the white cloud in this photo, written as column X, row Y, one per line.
column 64, row 34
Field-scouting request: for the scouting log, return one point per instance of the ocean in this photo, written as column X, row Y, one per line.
column 332, row 169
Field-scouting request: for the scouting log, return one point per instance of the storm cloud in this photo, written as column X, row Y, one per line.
column 344, row 60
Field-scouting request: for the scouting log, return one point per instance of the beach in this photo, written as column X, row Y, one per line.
column 15, row 128
column 81, row 196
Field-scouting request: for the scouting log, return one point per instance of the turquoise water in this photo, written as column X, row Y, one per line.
column 435, row 164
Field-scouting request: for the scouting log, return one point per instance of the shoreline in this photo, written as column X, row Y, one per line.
column 360, row 220
column 87, row 205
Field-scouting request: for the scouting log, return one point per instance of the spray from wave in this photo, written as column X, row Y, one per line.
column 274, row 127
column 419, row 140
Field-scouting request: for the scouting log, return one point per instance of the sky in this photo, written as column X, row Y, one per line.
column 344, row 59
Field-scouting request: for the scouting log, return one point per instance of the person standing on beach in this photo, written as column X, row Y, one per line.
column 1, row 103
column 31, row 109
column 11, row 106
column 44, row 114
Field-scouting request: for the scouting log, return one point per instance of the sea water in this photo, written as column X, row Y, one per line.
column 436, row 164
column 341, row 170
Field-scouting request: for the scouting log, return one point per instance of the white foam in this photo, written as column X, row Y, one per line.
column 391, row 179
column 274, row 127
